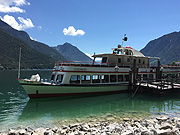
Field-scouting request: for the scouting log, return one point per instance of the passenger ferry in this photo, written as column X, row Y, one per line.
column 111, row 75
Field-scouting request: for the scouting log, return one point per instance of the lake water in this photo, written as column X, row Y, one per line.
column 16, row 109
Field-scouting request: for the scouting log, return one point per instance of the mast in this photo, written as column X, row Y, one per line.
column 19, row 62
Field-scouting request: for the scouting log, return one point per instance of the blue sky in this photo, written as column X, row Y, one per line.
column 93, row 25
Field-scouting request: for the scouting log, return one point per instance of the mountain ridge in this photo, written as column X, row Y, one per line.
column 40, row 47
column 31, row 59
column 166, row 47
column 34, row 54
column 72, row 53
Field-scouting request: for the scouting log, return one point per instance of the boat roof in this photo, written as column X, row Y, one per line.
column 123, row 51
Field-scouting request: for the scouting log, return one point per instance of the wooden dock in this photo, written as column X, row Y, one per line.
column 159, row 87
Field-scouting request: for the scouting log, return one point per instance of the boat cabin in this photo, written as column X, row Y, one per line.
column 123, row 57
column 113, row 68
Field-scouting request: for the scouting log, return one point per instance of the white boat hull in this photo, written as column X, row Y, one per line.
column 38, row 89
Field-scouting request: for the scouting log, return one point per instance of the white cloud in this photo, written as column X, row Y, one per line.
column 7, row 6
column 40, row 27
column 19, row 2
column 24, row 23
column 71, row 31
column 7, row 9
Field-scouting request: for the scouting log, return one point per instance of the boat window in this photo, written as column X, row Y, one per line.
column 120, row 78
column 126, row 52
column 112, row 78
column 143, row 61
column 126, row 78
column 139, row 77
column 144, row 76
column 151, row 76
column 128, row 60
column 105, row 78
column 75, row 79
column 165, row 76
column 130, row 52
column 85, row 79
column 139, row 60
column 52, row 77
column 176, row 75
column 172, row 75
column 59, row 78
column 168, row 76
column 96, row 79
column 119, row 60
column 104, row 60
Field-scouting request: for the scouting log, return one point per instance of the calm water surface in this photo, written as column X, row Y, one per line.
column 16, row 109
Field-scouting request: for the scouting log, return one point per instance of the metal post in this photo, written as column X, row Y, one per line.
column 94, row 59
column 134, row 72
column 19, row 63
column 158, row 76
column 130, row 80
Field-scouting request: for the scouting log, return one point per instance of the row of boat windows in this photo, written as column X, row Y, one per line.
column 98, row 78
column 107, row 78
column 104, row 60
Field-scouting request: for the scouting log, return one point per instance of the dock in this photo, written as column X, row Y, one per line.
column 158, row 87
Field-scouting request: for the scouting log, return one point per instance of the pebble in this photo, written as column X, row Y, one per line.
column 158, row 126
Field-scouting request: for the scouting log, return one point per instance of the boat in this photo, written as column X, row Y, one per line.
column 111, row 75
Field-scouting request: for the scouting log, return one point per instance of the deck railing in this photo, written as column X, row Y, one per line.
column 171, row 66
column 97, row 64
column 81, row 63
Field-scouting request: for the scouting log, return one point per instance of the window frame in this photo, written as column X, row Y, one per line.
column 105, row 79
column 57, row 78
column 85, row 81
column 98, row 80
column 102, row 61
column 119, row 78
column 113, row 79
column 77, row 81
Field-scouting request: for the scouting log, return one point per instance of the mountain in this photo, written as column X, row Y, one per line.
column 71, row 52
column 31, row 58
column 167, row 48
column 40, row 47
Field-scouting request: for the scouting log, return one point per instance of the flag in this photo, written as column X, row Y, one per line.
column 125, row 38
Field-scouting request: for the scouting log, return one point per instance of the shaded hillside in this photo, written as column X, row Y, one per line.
column 9, row 50
column 72, row 53
column 167, row 48
column 40, row 47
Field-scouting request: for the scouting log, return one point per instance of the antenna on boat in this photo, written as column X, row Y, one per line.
column 124, row 39
column 19, row 61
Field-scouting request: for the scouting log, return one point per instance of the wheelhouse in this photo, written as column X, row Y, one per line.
column 123, row 57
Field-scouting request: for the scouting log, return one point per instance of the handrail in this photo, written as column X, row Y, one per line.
column 85, row 63
column 80, row 62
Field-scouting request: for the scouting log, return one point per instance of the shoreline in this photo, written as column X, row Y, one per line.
column 160, row 125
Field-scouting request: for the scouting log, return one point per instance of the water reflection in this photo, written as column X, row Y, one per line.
column 120, row 105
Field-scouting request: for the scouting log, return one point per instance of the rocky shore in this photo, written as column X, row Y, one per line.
column 157, row 126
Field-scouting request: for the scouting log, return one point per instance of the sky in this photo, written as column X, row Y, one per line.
column 93, row 25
